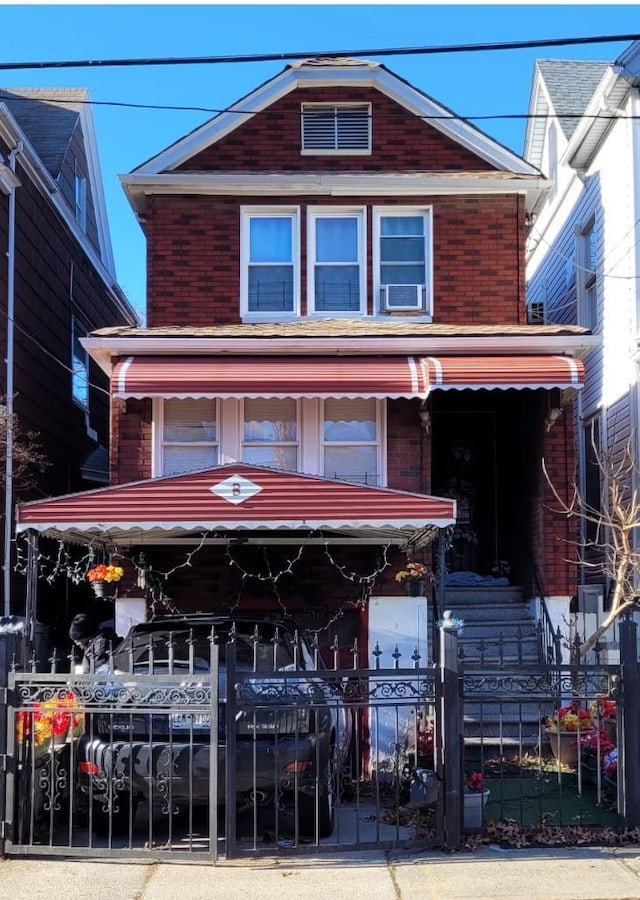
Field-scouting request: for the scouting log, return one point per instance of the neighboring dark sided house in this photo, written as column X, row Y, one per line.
column 57, row 283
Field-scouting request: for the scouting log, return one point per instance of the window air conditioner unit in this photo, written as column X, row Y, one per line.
column 402, row 296
column 535, row 313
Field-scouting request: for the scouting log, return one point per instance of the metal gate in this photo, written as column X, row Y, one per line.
column 122, row 765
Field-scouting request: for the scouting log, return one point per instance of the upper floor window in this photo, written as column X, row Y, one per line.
column 189, row 436
column 343, row 128
column 270, row 433
column 401, row 258
column 351, row 441
column 79, row 365
column 269, row 261
column 80, row 193
column 587, row 287
column 335, row 261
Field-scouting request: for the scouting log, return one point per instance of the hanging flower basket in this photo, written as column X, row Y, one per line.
column 414, row 579
column 104, row 588
column 104, row 578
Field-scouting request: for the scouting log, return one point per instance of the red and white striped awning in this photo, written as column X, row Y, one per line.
column 234, row 497
column 337, row 376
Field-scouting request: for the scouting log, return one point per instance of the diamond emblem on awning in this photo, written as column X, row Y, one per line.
column 236, row 489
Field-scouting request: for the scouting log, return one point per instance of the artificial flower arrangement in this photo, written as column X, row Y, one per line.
column 105, row 573
column 414, row 571
column 570, row 718
column 610, row 764
column 595, row 744
column 51, row 722
column 474, row 783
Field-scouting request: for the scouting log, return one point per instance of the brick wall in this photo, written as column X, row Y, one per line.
column 557, row 535
column 401, row 141
column 193, row 247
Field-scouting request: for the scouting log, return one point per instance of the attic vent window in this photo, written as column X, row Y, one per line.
column 336, row 128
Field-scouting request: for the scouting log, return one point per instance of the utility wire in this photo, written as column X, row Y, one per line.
column 316, row 54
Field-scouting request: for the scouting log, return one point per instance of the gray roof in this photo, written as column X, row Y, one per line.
column 48, row 117
column 571, row 85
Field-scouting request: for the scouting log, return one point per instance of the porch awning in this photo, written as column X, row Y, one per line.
column 337, row 376
column 237, row 497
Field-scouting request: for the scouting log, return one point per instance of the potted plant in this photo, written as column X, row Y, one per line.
column 103, row 579
column 415, row 577
column 594, row 746
column 564, row 729
column 475, row 799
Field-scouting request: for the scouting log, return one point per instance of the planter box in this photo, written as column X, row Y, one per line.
column 474, row 804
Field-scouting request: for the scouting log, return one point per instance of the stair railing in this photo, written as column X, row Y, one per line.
column 549, row 640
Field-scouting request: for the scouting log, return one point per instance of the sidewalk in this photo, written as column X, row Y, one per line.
column 593, row 873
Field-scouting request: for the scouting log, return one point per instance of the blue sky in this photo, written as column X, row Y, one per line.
column 470, row 83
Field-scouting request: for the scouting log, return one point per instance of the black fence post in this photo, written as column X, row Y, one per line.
column 629, row 728
column 451, row 737
column 10, row 641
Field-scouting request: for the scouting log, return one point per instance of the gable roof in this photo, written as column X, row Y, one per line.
column 570, row 86
column 338, row 72
column 48, row 117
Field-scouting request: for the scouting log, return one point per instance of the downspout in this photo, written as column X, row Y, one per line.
column 8, row 489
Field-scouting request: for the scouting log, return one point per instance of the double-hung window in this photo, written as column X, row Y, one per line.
column 336, row 276
column 401, row 259
column 351, row 440
column 189, row 436
column 270, row 433
column 270, row 277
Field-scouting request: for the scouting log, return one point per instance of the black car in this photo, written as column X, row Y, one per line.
column 150, row 736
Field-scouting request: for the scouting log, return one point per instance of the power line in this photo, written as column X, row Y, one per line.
column 315, row 54
column 268, row 111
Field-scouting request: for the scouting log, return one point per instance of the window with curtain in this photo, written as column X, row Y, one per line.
column 189, row 435
column 336, row 263
column 351, row 440
column 270, row 433
column 269, row 261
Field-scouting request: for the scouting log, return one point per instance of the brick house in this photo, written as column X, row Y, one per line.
column 337, row 366
column 57, row 284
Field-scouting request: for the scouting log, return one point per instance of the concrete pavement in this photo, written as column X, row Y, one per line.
column 593, row 873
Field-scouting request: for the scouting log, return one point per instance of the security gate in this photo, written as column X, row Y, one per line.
column 122, row 765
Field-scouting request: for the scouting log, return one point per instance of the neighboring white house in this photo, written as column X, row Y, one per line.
column 583, row 260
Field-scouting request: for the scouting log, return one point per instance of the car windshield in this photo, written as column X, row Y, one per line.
column 262, row 655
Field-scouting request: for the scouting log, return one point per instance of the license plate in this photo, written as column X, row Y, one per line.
column 184, row 721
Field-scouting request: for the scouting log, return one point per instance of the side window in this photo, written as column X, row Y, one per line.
column 80, row 192
column 586, row 273
column 269, row 279
column 335, row 261
column 270, row 433
column 189, row 436
column 79, row 365
column 401, row 254
column 351, row 440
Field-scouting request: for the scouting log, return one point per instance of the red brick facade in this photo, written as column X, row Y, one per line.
column 193, row 247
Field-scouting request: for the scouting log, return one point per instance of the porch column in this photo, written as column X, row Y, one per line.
column 31, row 603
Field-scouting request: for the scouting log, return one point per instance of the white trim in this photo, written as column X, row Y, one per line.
column 157, row 454
column 122, row 375
column 303, row 75
column 380, row 442
column 138, row 187
column 278, row 211
column 320, row 212
column 97, row 188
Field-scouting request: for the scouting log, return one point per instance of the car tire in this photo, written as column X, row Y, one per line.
column 118, row 818
column 327, row 796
